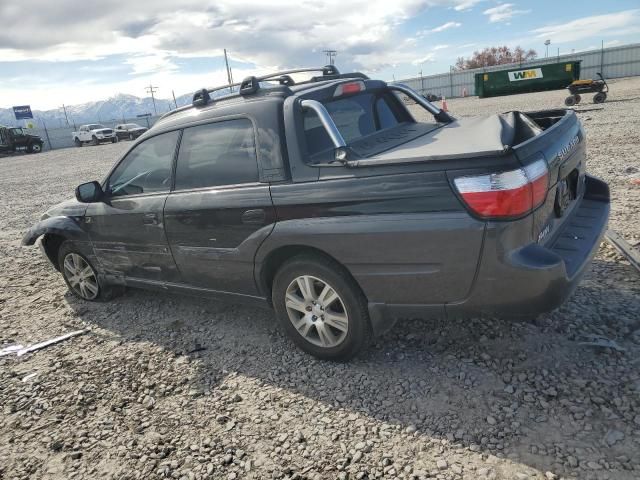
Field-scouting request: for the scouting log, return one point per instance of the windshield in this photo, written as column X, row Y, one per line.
column 132, row 125
column 355, row 117
column 95, row 126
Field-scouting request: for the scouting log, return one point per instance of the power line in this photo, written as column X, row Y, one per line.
column 151, row 89
column 331, row 54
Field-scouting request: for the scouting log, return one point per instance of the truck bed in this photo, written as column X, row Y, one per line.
column 464, row 138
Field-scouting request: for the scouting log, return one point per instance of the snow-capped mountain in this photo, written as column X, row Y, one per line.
column 116, row 109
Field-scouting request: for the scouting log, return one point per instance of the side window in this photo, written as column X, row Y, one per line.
column 146, row 168
column 222, row 153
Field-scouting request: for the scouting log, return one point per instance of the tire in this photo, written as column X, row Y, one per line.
column 34, row 148
column 337, row 296
column 77, row 142
column 114, row 140
column 578, row 98
column 94, row 140
column 131, row 137
column 599, row 97
column 89, row 288
column 570, row 101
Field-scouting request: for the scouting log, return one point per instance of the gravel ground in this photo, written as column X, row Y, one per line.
column 177, row 387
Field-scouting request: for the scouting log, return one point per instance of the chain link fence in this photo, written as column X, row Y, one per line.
column 62, row 137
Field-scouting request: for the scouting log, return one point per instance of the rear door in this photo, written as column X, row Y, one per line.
column 127, row 228
column 219, row 211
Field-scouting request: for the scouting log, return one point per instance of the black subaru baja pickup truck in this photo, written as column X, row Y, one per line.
column 326, row 200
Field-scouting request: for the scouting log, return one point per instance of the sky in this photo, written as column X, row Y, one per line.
column 52, row 52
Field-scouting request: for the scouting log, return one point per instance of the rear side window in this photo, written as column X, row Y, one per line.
column 355, row 117
column 222, row 153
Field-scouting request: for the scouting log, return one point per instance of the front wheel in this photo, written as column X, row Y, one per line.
column 114, row 140
column 79, row 275
column 94, row 140
column 77, row 142
column 321, row 307
column 570, row 101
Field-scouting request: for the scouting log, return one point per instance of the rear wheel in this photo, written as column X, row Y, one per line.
column 321, row 308
column 80, row 276
column 570, row 101
column 599, row 97
column 35, row 148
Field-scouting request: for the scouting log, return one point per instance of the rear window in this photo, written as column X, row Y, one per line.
column 355, row 116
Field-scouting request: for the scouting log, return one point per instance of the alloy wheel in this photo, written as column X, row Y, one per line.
column 81, row 276
column 316, row 311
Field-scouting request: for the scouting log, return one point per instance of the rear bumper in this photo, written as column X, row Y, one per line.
column 513, row 280
column 537, row 278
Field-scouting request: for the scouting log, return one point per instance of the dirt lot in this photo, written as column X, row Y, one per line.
column 176, row 387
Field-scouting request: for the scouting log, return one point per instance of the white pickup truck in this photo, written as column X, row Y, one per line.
column 94, row 133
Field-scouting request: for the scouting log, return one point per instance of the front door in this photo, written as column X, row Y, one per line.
column 127, row 228
column 219, row 213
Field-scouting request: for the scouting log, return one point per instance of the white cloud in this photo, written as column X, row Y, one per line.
column 466, row 5
column 621, row 23
column 430, row 57
column 440, row 47
column 440, row 28
column 503, row 12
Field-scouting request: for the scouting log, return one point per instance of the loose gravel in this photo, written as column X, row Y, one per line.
column 177, row 387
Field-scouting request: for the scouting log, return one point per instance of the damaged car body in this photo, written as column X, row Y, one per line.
column 326, row 200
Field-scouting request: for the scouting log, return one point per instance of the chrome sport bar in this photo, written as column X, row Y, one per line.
column 326, row 120
column 439, row 114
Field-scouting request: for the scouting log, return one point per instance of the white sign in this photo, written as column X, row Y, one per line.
column 530, row 74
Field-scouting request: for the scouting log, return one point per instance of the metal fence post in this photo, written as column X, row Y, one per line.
column 46, row 133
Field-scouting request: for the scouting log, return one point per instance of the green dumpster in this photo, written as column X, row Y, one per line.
column 552, row 76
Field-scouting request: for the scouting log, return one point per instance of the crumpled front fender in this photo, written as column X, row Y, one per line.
column 67, row 227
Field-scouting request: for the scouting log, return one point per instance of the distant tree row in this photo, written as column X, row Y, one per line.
column 495, row 56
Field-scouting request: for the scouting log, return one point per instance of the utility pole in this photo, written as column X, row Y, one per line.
column 174, row 98
column 331, row 54
column 151, row 89
column 65, row 114
column 226, row 62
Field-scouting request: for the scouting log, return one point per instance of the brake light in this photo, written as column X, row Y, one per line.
column 348, row 88
column 506, row 194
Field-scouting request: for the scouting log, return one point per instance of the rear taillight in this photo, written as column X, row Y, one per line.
column 506, row 194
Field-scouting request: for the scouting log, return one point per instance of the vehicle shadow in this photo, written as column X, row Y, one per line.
column 530, row 392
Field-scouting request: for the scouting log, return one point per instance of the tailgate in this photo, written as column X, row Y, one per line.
column 563, row 146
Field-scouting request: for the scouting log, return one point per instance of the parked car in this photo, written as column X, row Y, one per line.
column 16, row 139
column 329, row 202
column 129, row 130
column 94, row 133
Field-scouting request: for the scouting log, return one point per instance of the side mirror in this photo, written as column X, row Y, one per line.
column 89, row 192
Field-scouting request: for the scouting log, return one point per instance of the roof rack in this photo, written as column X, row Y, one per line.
column 251, row 84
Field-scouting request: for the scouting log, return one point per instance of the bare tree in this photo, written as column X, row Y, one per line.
column 495, row 56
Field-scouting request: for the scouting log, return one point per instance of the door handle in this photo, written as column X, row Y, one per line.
column 254, row 217
column 151, row 219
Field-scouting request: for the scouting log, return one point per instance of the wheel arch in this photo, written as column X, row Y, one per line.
column 53, row 232
column 278, row 256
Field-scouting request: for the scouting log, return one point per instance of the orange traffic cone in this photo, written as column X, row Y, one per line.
column 444, row 104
